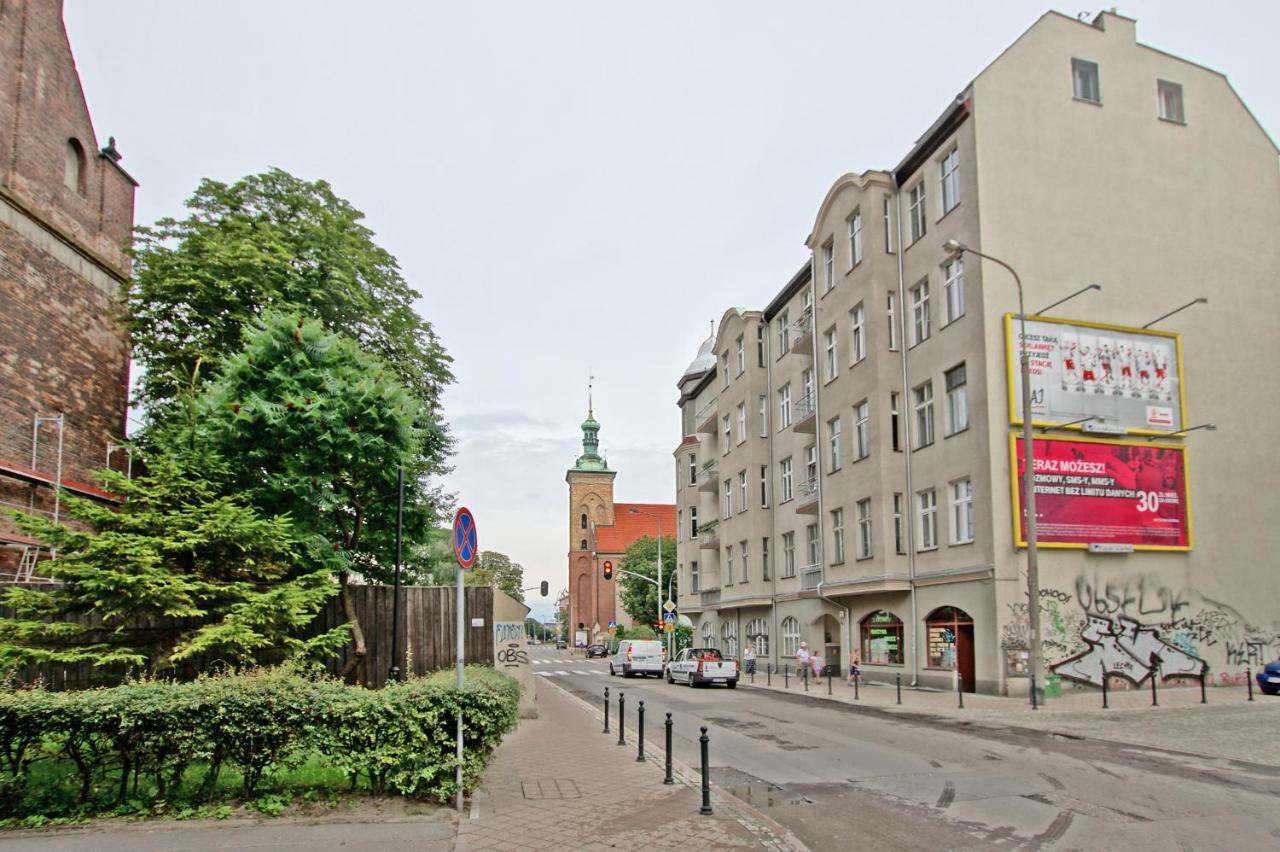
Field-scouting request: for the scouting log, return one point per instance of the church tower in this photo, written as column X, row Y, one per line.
column 591, row 605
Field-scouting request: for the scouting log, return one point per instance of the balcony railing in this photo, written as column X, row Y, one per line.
column 804, row 413
column 810, row 576
column 802, row 333
column 709, row 596
column 709, row 535
column 708, row 475
column 705, row 419
column 807, row 496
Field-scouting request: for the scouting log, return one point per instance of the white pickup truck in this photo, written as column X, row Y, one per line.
column 696, row 666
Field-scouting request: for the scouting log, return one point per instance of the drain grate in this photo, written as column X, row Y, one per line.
column 550, row 788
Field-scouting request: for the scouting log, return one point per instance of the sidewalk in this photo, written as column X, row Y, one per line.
column 558, row 783
column 1228, row 726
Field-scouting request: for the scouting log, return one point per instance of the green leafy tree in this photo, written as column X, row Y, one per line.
column 640, row 597
column 214, row 575
column 497, row 570
column 319, row 429
column 273, row 242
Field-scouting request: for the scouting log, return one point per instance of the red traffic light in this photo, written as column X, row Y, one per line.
column 608, row 569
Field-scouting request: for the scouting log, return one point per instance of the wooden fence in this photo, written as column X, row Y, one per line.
column 428, row 620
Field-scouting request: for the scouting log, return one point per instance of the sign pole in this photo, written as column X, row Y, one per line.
column 461, row 606
column 466, row 549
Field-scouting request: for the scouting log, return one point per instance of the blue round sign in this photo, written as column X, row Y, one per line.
column 465, row 543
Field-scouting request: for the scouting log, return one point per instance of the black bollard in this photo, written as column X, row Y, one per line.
column 898, row 679
column 855, row 687
column 753, row 674
column 1105, row 706
column 1204, row 669
column 805, row 677
column 960, row 689
column 1248, row 675
column 705, row 741
column 768, row 675
column 606, row 710
column 622, row 730
column 640, row 724
column 829, row 679
column 668, row 779
column 786, row 677
column 1154, row 678
column 1034, row 706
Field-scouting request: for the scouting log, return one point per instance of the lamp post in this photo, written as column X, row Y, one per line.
column 636, row 511
column 958, row 248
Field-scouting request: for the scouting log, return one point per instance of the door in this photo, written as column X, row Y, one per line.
column 964, row 656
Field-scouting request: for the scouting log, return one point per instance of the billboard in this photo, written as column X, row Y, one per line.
column 1125, row 378
column 1104, row 493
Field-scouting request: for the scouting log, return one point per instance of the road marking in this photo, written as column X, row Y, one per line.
column 588, row 673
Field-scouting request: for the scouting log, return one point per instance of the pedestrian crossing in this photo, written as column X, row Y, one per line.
column 564, row 672
column 556, row 661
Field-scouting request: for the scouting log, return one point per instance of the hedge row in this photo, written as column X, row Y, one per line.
column 400, row 738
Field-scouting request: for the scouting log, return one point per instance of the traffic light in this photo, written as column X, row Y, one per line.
column 545, row 588
column 608, row 569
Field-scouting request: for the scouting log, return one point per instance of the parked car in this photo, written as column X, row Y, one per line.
column 1269, row 678
column 597, row 650
column 638, row 656
column 698, row 666
column 561, row 644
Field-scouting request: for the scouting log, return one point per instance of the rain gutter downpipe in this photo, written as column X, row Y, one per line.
column 908, row 508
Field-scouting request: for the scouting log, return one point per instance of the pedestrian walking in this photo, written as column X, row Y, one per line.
column 817, row 664
column 802, row 659
column 749, row 659
column 854, row 671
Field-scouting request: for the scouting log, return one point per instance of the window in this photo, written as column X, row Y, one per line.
column 1084, row 81
column 784, row 405
column 742, row 422
column 894, row 431
column 583, row 521
column 855, row 239
column 961, row 511
column 957, row 400
column 949, row 170
column 811, row 464
column 728, row 435
column 882, row 639
column 724, row 369
column 783, row 327
column 916, row 211
column 693, row 522
column 828, row 266
column 837, row 535
column 857, row 334
column 693, row 577
column 742, row 355
column 811, row 538
column 728, row 499
column 829, row 341
column 893, row 323
column 746, row 572
column 73, row 173
column 728, row 561
column 764, row 486
column 729, row 639
column 764, row 558
column 787, row 491
column 764, row 416
column 924, row 415
column 953, row 276
column 806, row 383
column 708, row 635
column 742, row 491
column 760, row 345
column 919, row 313
column 888, row 224
column 758, row 636
column 583, row 545
column 693, row 469
column 788, row 554
column 1169, row 96
column 862, row 430
column 942, row 628
column 790, row 636
column 833, row 438
column 679, row 524
column 899, row 530
column 927, row 504
column 864, row 528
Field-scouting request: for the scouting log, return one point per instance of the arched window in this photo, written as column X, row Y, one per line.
column 708, row 635
column 73, row 174
column 584, row 520
column 882, row 639
column 790, row 636
column 729, row 639
column 758, row 636
column 943, row 628
column 584, row 545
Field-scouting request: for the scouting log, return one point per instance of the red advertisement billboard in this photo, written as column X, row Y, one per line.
column 1104, row 492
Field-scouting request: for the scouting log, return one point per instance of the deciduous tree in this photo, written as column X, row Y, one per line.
column 640, row 597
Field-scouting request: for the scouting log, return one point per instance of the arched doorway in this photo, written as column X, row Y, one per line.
column 949, row 643
column 832, row 647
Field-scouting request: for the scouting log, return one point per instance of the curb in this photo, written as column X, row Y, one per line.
column 747, row 815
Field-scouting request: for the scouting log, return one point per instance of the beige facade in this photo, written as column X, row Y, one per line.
column 1078, row 156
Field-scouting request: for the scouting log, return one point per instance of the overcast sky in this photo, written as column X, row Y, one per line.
column 574, row 188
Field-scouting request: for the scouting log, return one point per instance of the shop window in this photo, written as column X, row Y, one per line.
column 882, row 639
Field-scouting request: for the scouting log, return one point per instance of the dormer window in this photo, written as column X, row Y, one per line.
column 73, row 174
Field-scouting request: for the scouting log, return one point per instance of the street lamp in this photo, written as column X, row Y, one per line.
column 957, row 248
column 633, row 510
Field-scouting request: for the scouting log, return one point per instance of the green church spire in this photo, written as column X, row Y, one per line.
column 590, row 458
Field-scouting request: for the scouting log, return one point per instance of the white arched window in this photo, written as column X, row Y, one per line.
column 73, row 174
column 790, row 636
column 758, row 636
column 708, row 635
column 729, row 639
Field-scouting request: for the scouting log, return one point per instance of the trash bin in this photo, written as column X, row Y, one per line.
column 1052, row 686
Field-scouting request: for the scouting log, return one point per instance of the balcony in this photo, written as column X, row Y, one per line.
column 802, row 334
column 807, row 496
column 709, row 597
column 709, row 535
column 704, row 421
column 708, row 476
column 810, row 576
column 805, row 414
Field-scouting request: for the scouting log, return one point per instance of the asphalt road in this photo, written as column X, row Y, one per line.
column 839, row 776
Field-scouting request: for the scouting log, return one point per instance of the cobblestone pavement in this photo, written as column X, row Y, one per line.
column 558, row 783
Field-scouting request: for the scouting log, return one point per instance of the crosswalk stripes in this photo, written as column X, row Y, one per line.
column 563, row 672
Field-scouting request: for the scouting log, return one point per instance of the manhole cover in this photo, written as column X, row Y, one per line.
column 550, row 788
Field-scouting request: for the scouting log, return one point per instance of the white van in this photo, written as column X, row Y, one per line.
column 637, row 656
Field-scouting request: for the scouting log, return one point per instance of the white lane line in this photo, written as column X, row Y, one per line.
column 545, row 674
column 562, row 673
column 586, row 673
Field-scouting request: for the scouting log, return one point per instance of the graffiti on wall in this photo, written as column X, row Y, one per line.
column 1125, row 625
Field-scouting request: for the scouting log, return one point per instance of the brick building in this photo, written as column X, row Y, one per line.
column 601, row 529
column 66, row 213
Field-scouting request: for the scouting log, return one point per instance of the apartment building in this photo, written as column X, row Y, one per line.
column 880, row 511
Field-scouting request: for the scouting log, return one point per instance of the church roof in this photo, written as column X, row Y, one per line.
column 629, row 528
